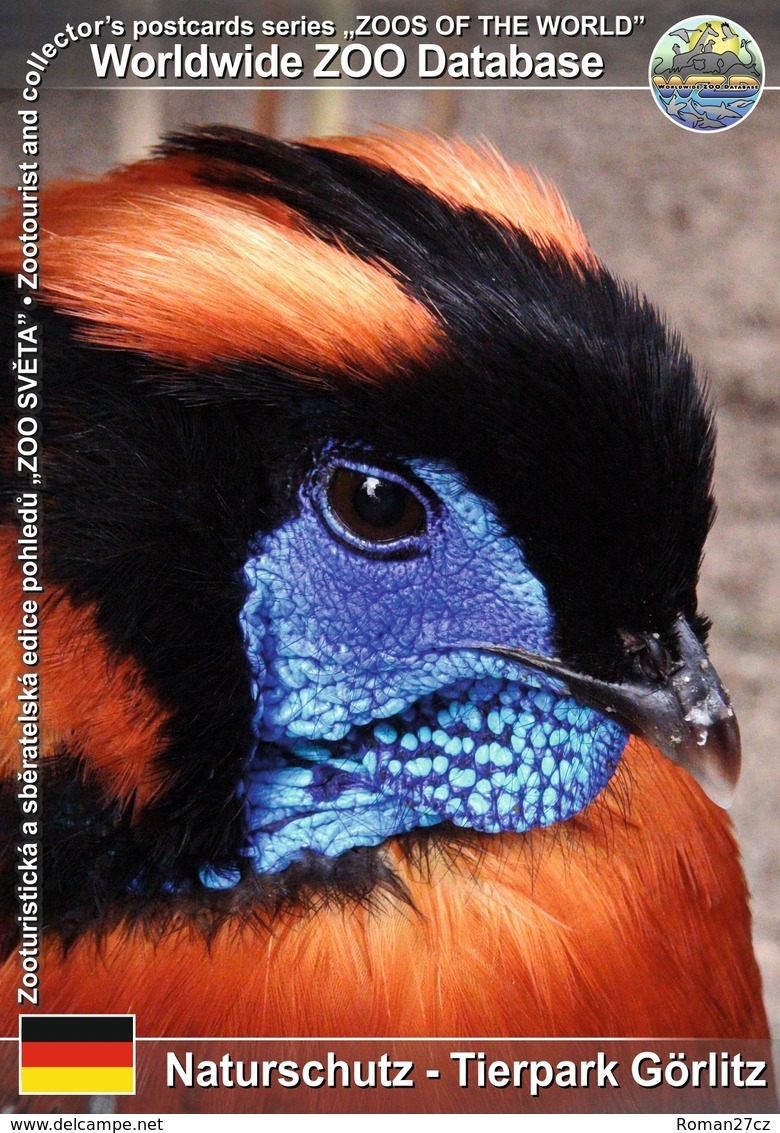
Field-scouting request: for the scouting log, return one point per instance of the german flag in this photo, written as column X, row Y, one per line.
column 77, row 1054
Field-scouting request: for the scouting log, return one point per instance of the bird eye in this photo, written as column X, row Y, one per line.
column 373, row 508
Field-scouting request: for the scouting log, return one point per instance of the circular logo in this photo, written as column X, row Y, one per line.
column 706, row 74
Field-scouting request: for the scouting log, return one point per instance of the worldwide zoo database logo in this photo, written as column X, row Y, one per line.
column 706, row 74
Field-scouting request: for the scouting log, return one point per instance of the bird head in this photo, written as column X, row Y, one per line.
column 384, row 501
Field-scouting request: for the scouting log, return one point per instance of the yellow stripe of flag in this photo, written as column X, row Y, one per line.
column 77, row 1080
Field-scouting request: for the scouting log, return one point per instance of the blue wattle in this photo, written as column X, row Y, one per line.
column 489, row 754
column 375, row 710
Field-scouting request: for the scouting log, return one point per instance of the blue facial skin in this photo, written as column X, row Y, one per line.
column 376, row 709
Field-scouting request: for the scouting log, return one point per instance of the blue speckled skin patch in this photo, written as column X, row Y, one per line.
column 376, row 711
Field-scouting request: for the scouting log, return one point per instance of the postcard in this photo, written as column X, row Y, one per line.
column 390, row 560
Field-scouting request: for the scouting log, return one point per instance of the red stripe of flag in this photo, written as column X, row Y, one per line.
column 77, row 1054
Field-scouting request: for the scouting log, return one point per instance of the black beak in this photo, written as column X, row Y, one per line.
column 684, row 711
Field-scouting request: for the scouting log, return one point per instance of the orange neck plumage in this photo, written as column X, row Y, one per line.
column 606, row 925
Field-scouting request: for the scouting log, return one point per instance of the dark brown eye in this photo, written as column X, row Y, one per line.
column 373, row 508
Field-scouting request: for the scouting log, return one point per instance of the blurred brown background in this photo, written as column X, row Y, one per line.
column 692, row 219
